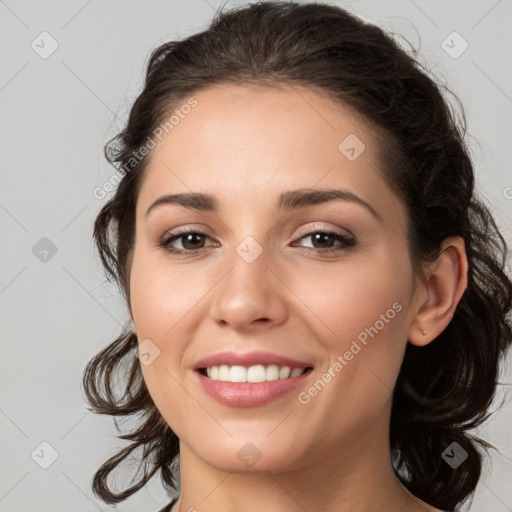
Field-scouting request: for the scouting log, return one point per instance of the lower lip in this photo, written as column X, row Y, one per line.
column 246, row 394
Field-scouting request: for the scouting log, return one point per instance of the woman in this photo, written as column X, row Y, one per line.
column 317, row 295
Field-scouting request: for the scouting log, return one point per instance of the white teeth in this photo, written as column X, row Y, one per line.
column 296, row 372
column 224, row 372
column 253, row 374
column 256, row 373
column 272, row 372
column 284, row 372
column 237, row 374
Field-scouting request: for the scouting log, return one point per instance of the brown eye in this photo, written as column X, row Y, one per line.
column 190, row 241
column 193, row 241
column 322, row 240
column 325, row 241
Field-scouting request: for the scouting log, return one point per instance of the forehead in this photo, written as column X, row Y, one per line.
column 243, row 143
column 240, row 120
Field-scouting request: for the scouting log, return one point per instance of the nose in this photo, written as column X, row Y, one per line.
column 250, row 295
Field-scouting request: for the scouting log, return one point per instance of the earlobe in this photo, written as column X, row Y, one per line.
column 445, row 285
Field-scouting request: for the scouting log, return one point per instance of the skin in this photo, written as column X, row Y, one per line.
column 246, row 145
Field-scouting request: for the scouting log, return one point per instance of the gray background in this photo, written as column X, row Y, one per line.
column 56, row 114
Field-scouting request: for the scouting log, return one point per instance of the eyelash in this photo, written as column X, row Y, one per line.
column 165, row 242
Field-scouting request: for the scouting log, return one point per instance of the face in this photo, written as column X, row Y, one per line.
column 326, row 284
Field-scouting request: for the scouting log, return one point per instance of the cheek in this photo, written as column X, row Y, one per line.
column 161, row 297
column 359, row 314
column 156, row 307
column 164, row 302
column 345, row 300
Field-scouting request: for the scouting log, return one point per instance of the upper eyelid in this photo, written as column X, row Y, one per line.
column 302, row 232
column 177, row 235
column 315, row 228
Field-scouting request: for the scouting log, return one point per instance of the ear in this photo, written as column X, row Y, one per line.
column 446, row 281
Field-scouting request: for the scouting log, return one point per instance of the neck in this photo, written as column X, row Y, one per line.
column 359, row 476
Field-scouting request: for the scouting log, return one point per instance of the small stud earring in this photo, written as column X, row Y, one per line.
column 423, row 332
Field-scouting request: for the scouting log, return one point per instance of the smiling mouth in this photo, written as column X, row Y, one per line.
column 252, row 374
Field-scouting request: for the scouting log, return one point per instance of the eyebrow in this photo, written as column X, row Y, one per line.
column 290, row 200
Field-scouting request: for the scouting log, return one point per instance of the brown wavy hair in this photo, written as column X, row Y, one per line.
column 445, row 388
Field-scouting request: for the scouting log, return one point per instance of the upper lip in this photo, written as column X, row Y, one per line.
column 249, row 359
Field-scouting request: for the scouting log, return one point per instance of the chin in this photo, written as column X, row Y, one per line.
column 255, row 456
